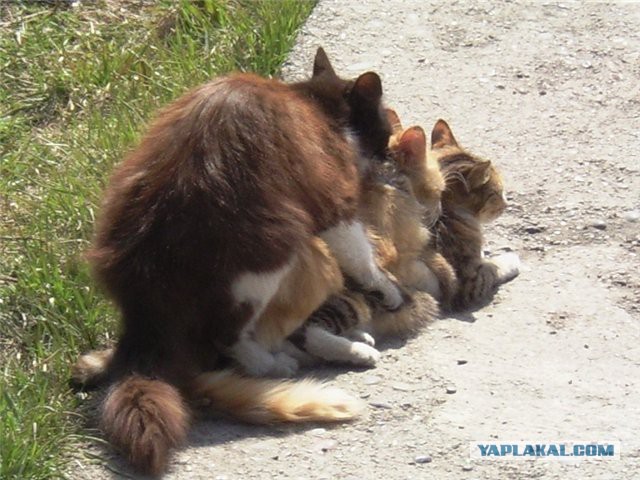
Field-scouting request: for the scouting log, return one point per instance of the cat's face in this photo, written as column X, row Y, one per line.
column 356, row 105
column 472, row 183
column 408, row 148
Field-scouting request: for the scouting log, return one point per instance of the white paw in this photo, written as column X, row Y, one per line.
column 363, row 354
column 362, row 336
column 390, row 293
column 422, row 278
column 508, row 266
column 284, row 365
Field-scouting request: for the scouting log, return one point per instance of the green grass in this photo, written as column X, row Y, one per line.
column 76, row 88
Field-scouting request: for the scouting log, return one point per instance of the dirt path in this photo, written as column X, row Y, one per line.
column 551, row 92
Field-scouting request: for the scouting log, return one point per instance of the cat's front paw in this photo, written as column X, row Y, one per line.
column 362, row 336
column 364, row 355
column 391, row 299
column 508, row 265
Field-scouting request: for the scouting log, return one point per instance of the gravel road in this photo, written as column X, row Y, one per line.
column 551, row 93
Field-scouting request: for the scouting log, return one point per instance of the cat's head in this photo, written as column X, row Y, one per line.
column 408, row 149
column 472, row 183
column 355, row 106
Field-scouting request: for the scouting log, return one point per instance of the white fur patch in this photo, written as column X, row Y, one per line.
column 350, row 246
column 422, row 278
column 333, row 348
column 508, row 266
column 257, row 289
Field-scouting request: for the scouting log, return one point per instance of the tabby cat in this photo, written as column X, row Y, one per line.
column 200, row 225
column 474, row 195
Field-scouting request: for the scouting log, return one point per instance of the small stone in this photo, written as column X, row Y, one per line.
column 422, row 459
column 467, row 468
column 318, row 431
column 586, row 346
column 632, row 216
column 422, row 60
column 326, row 445
column 533, row 229
column 542, row 93
column 599, row 224
column 402, row 387
column 500, row 87
column 451, row 389
column 462, row 362
column 371, row 380
column 384, row 405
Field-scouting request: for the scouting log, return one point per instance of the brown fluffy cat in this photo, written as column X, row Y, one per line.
column 200, row 225
column 474, row 195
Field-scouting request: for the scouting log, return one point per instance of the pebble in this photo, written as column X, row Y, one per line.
column 462, row 362
column 371, row 380
column 318, row 431
column 533, row 229
column 326, row 445
column 451, row 389
column 402, row 387
column 422, row 459
column 467, row 468
column 599, row 224
column 380, row 405
column 632, row 216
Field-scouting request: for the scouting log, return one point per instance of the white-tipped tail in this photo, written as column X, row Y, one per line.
column 265, row 401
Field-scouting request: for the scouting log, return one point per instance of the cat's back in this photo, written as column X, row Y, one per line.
column 240, row 150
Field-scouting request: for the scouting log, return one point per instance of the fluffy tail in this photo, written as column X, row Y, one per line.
column 145, row 419
column 408, row 321
column 266, row 401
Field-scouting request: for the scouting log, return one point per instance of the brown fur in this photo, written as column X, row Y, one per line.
column 145, row 419
column 225, row 181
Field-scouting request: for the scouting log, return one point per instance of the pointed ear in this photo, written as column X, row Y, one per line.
column 321, row 63
column 368, row 86
column 479, row 174
column 442, row 136
column 413, row 144
column 394, row 120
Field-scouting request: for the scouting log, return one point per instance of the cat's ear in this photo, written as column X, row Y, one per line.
column 479, row 174
column 368, row 86
column 394, row 120
column 413, row 143
column 321, row 63
column 442, row 136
